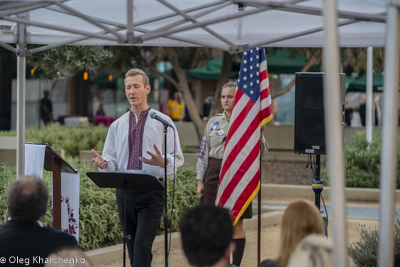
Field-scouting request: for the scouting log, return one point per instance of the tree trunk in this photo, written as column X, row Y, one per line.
column 183, row 88
column 227, row 64
column 72, row 95
column 79, row 96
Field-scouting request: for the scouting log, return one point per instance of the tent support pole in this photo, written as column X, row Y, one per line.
column 333, row 130
column 21, row 74
column 389, row 138
column 8, row 47
column 58, row 28
column 369, row 106
column 129, row 21
column 190, row 18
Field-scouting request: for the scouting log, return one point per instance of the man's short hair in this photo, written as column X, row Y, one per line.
column 27, row 199
column 206, row 232
column 134, row 72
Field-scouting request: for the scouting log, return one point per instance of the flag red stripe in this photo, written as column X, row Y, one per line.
column 264, row 93
column 265, row 112
column 263, row 75
column 241, row 172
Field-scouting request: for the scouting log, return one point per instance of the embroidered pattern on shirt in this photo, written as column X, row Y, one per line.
column 135, row 139
column 202, row 150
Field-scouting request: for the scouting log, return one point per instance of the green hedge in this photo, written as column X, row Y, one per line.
column 362, row 165
column 71, row 139
column 98, row 216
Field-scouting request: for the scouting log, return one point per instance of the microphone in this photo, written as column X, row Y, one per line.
column 154, row 115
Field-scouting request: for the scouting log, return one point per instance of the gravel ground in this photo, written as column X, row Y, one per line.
column 284, row 172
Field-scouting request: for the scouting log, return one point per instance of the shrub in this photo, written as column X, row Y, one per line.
column 362, row 165
column 98, row 215
column 185, row 195
column 365, row 251
column 71, row 139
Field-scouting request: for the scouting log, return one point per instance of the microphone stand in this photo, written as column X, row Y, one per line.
column 165, row 197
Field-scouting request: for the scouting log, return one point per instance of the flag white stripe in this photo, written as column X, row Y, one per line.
column 264, row 84
column 266, row 102
column 263, row 65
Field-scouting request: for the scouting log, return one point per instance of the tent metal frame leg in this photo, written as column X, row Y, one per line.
column 389, row 138
column 334, row 135
column 21, row 74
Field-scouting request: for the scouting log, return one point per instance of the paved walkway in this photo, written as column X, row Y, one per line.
column 366, row 212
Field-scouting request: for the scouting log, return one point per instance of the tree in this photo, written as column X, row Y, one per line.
column 72, row 61
column 65, row 60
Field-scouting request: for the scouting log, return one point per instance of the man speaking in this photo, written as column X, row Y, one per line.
column 134, row 144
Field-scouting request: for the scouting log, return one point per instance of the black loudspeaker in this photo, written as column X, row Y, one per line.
column 309, row 122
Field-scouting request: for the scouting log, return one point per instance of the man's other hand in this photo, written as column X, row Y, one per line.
column 155, row 160
column 98, row 161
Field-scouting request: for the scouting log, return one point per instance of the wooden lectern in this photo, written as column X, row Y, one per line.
column 56, row 164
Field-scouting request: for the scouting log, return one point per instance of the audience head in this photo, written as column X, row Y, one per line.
column 68, row 257
column 300, row 219
column 27, row 199
column 46, row 93
column 312, row 251
column 364, row 99
column 177, row 97
column 206, row 233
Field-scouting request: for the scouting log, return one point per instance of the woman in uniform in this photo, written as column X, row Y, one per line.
column 209, row 164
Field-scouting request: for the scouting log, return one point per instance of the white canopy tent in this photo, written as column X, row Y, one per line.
column 212, row 23
column 229, row 26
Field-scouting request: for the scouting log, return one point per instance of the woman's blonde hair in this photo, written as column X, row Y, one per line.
column 300, row 219
column 230, row 84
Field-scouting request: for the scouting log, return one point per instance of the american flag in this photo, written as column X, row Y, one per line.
column 240, row 172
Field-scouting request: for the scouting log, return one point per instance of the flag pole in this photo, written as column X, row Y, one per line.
column 259, row 213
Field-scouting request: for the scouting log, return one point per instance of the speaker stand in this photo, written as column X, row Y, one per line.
column 318, row 186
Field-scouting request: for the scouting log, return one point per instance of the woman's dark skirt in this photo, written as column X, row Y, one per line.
column 211, row 180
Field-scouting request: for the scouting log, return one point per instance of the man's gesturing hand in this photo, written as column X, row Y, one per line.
column 98, row 161
column 156, row 159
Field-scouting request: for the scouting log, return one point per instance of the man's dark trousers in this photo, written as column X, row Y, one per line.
column 143, row 213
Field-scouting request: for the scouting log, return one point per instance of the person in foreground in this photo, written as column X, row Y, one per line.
column 23, row 239
column 69, row 258
column 312, row 251
column 209, row 161
column 130, row 141
column 300, row 219
column 206, row 234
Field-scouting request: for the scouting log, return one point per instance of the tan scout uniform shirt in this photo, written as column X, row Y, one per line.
column 213, row 143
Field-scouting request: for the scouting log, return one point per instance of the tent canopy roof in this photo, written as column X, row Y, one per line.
column 360, row 84
column 210, row 23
